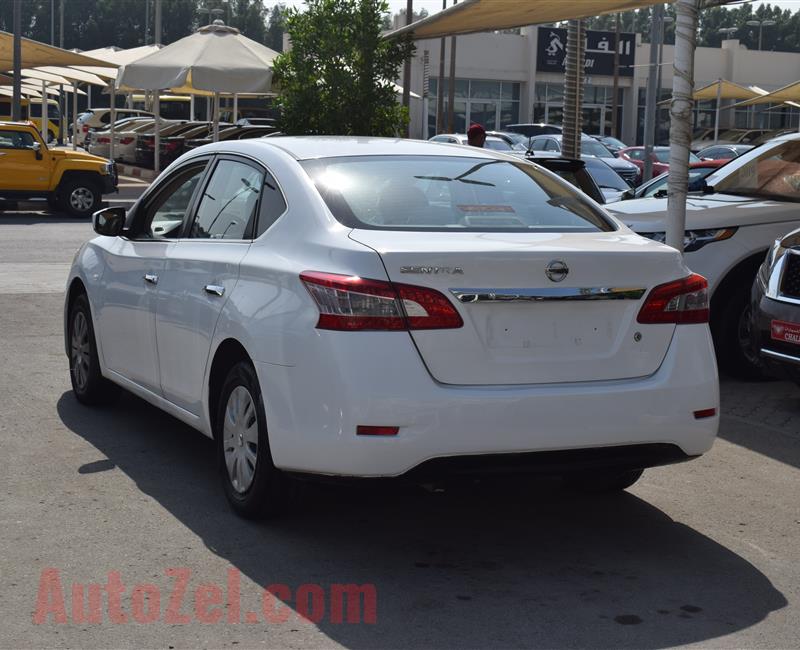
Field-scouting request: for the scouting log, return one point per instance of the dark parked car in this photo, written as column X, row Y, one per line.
column 235, row 132
column 573, row 171
column 590, row 147
column 775, row 309
column 171, row 145
column 530, row 130
column 612, row 143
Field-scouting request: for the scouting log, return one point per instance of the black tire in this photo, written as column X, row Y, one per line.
column 735, row 353
column 80, row 197
column 88, row 383
column 603, row 481
column 258, row 490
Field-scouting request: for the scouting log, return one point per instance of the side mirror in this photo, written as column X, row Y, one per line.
column 37, row 150
column 109, row 222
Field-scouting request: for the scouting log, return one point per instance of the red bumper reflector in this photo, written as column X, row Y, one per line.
column 362, row 430
column 705, row 413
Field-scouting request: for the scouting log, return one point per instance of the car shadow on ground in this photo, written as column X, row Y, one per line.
column 505, row 566
column 763, row 416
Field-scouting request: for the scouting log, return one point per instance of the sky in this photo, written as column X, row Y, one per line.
column 435, row 5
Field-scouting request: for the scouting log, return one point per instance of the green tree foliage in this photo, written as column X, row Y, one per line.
column 337, row 76
column 90, row 24
column 275, row 28
column 782, row 37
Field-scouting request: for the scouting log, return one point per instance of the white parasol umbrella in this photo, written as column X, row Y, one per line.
column 216, row 58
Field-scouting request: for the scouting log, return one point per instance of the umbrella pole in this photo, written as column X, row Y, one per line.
column 191, row 107
column 157, row 132
column 113, row 119
column 216, row 117
column 74, row 115
column 235, row 108
column 716, row 119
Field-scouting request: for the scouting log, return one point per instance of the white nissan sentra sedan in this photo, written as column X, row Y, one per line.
column 362, row 307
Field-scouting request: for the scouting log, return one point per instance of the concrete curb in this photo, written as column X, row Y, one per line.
column 136, row 172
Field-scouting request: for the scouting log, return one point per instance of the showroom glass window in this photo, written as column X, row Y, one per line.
column 494, row 104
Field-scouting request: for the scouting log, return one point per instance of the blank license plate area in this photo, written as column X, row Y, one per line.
column 551, row 329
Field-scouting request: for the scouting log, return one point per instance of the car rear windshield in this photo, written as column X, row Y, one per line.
column 451, row 193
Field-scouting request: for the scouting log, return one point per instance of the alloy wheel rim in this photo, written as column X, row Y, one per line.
column 81, row 198
column 240, row 438
column 80, row 350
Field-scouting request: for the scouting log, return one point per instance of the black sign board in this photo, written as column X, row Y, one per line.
column 552, row 50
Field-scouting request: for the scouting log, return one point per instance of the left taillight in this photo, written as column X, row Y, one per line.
column 352, row 303
column 680, row 302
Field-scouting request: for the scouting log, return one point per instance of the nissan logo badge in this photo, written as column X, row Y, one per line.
column 556, row 270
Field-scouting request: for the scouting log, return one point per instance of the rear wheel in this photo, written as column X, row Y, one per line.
column 253, row 486
column 80, row 197
column 735, row 351
column 88, row 383
column 603, row 481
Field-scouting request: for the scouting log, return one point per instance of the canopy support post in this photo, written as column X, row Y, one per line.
column 157, row 132
column 716, row 117
column 45, row 115
column 62, row 107
column 191, row 107
column 680, row 112
column 74, row 115
column 216, row 117
column 112, row 119
column 235, row 108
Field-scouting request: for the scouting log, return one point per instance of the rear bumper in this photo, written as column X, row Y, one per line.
column 378, row 379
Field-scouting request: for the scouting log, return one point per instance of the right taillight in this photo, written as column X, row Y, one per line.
column 352, row 303
column 681, row 301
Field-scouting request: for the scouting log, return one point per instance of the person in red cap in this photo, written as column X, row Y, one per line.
column 476, row 136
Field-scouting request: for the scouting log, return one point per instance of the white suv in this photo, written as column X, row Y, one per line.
column 744, row 207
column 96, row 118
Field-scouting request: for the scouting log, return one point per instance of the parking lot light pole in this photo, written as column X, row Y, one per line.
column 760, row 24
column 656, row 32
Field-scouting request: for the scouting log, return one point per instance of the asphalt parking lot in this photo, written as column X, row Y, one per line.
column 705, row 553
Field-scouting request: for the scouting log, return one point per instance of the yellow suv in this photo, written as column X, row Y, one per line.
column 70, row 180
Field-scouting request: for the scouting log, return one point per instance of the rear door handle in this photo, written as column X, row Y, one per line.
column 214, row 289
column 152, row 278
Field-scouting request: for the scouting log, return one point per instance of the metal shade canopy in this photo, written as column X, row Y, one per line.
column 471, row 16
column 790, row 93
column 724, row 89
column 35, row 54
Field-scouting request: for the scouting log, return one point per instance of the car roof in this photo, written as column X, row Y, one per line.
column 16, row 124
column 310, row 147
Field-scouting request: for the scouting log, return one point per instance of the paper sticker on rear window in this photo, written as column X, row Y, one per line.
column 486, row 208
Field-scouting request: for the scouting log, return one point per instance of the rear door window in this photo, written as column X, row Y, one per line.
column 451, row 193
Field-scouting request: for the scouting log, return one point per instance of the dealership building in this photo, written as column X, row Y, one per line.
column 503, row 78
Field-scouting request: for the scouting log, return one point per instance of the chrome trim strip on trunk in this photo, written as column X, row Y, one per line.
column 547, row 294
column 780, row 356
